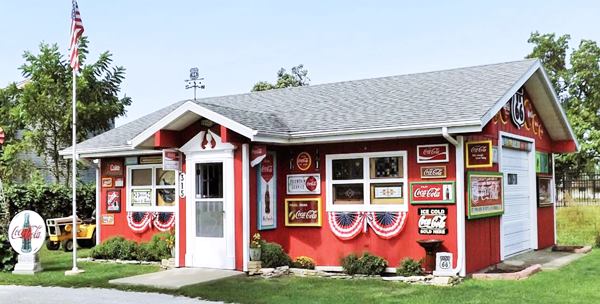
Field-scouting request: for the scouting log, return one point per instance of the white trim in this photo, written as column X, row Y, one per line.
column 245, row 204
column 190, row 106
column 98, row 207
column 554, row 198
column 177, row 217
column 154, row 187
column 532, row 191
column 366, row 181
column 461, row 260
column 128, row 152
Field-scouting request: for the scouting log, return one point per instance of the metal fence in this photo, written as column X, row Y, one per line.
column 578, row 189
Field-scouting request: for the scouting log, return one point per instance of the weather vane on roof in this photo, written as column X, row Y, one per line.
column 194, row 81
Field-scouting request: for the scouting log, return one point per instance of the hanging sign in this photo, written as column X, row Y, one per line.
column 267, row 193
column 486, row 197
column 27, row 232
column 433, row 221
column 113, row 168
column 303, row 212
column 433, row 172
column 432, row 193
column 171, row 159
column 257, row 154
column 479, row 154
column 304, row 184
column 517, row 109
column 303, row 161
column 432, row 153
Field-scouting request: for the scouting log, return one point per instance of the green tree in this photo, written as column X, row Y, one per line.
column 43, row 103
column 296, row 78
column 577, row 82
column 12, row 167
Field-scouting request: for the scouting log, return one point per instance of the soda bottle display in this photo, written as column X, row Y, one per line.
column 26, row 235
column 267, row 201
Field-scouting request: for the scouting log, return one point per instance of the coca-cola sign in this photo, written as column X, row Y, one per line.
column 304, row 184
column 266, row 169
column 303, row 161
column 114, row 167
column 303, row 212
column 479, row 154
column 433, row 221
column 433, row 153
column 267, row 192
column 433, row 172
column 432, row 193
column 27, row 232
column 486, row 197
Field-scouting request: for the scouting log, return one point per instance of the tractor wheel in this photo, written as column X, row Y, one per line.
column 67, row 245
column 88, row 243
column 52, row 245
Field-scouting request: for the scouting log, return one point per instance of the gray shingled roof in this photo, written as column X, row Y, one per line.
column 456, row 95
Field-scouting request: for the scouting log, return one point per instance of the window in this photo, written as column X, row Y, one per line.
column 367, row 181
column 149, row 188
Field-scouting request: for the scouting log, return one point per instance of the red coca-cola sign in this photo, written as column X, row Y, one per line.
column 432, row 153
column 432, row 193
column 479, row 154
column 433, row 172
column 303, row 212
column 311, row 183
column 267, row 168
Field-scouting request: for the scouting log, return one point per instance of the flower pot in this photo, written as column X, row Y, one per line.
column 255, row 254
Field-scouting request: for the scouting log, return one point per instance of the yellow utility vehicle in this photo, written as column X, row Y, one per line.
column 60, row 233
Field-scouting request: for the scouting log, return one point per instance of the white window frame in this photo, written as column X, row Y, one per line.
column 366, row 182
column 154, row 187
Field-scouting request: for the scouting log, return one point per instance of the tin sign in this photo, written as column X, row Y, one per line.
column 304, row 184
column 432, row 193
column 303, row 212
column 303, row 161
column 479, row 154
column 27, row 232
column 432, row 221
column 432, row 153
column 485, row 194
column 171, row 160
column 433, row 172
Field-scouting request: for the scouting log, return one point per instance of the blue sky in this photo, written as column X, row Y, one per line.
column 237, row 43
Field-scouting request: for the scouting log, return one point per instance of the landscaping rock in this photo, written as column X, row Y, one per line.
column 519, row 275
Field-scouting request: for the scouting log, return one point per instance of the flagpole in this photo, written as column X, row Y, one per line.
column 74, row 173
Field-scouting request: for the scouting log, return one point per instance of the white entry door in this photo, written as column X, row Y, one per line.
column 210, row 214
column 516, row 221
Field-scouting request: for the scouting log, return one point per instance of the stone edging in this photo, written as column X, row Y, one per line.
column 117, row 261
column 519, row 275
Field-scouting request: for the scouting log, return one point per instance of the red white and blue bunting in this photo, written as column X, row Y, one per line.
column 348, row 225
column 139, row 222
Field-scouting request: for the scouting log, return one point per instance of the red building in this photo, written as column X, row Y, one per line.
column 464, row 156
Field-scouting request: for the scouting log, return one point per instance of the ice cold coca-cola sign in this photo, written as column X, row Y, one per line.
column 304, row 184
column 432, row 153
column 432, row 193
column 433, row 221
column 303, row 212
column 27, row 232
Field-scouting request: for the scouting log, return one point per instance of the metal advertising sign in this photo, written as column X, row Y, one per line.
column 27, row 232
column 303, row 212
column 171, row 159
column 433, row 221
column 432, row 193
column 544, row 191
column 517, row 109
column 267, row 192
column 433, row 153
column 486, row 197
column 303, row 161
column 433, row 172
column 479, row 154
column 304, row 184
column 141, row 197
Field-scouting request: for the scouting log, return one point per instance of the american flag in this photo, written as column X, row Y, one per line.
column 76, row 32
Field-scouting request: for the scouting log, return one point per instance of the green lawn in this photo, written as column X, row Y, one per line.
column 577, row 225
column 55, row 263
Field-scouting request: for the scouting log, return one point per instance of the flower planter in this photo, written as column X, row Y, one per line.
column 255, row 254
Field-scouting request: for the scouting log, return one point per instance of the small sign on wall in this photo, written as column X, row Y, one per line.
column 544, row 192
column 303, row 161
column 113, row 201
column 486, row 194
column 479, row 154
column 432, row 193
column 113, row 168
column 141, row 197
column 107, row 182
column 119, row 182
column 433, row 153
column 107, row 219
column 303, row 212
column 303, row 184
column 433, row 172
column 171, row 159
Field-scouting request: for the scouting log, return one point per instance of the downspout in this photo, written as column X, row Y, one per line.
column 98, row 163
column 460, row 201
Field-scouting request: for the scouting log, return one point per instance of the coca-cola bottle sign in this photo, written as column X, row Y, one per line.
column 27, row 232
column 431, row 193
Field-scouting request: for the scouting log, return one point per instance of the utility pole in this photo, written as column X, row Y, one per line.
column 194, row 82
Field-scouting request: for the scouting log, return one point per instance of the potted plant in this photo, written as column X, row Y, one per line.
column 255, row 244
column 170, row 240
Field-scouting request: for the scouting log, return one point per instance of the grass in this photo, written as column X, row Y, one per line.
column 578, row 225
column 55, row 263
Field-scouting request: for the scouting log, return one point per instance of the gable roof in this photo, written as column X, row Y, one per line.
column 462, row 99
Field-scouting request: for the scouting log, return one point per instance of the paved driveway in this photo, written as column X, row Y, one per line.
column 52, row 295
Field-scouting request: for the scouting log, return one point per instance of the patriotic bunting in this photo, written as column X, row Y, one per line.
column 347, row 225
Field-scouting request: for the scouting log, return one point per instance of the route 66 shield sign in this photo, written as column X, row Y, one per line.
column 517, row 109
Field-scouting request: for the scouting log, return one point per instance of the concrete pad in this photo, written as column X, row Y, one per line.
column 176, row 278
column 549, row 259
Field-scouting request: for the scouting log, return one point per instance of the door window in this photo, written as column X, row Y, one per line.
column 209, row 200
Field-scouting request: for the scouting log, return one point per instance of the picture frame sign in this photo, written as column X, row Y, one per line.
column 113, row 201
column 438, row 153
column 479, row 154
column 303, row 212
column 544, row 191
column 486, row 194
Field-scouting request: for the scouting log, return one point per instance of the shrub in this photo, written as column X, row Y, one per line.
column 8, row 257
column 155, row 250
column 304, row 262
column 366, row 264
column 409, row 267
column 116, row 248
column 272, row 255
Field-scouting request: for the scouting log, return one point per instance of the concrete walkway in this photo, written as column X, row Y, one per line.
column 176, row 278
column 53, row 295
column 549, row 259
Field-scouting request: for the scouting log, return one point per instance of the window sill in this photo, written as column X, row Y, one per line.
column 367, row 208
column 150, row 209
